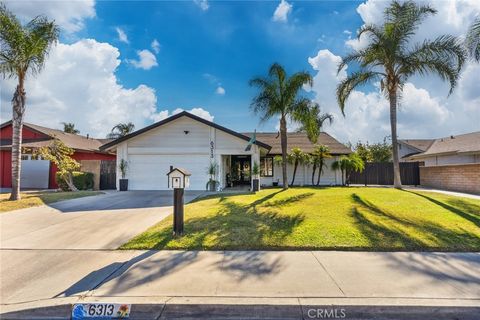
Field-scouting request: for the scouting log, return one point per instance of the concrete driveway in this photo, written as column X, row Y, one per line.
column 99, row 222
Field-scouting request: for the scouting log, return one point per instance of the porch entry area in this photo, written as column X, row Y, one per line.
column 238, row 171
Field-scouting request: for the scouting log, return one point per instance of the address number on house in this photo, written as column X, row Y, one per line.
column 100, row 311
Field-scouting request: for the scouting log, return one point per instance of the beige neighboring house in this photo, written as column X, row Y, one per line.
column 410, row 147
column 450, row 163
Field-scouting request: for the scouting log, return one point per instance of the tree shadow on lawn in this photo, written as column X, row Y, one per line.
column 393, row 236
column 462, row 208
column 234, row 226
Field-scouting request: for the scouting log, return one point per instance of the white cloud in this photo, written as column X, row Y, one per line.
column 122, row 36
column 91, row 97
column 202, row 113
column 282, row 11
column 426, row 110
column 347, row 32
column 155, row 46
column 420, row 114
column 69, row 15
column 146, row 60
column 202, row 4
column 220, row 91
column 453, row 17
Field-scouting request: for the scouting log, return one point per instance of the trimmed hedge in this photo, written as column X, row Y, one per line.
column 81, row 180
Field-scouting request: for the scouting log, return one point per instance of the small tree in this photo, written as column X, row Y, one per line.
column 123, row 166
column 376, row 152
column 347, row 164
column 296, row 157
column 58, row 153
column 69, row 127
column 320, row 153
column 212, row 172
column 255, row 170
column 121, row 130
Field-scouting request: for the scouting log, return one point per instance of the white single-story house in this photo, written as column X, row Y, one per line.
column 188, row 141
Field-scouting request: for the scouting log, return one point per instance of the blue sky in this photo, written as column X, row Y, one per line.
column 232, row 41
column 105, row 68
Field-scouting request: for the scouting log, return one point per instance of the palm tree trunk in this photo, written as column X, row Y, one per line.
column 283, row 138
column 18, row 109
column 343, row 181
column 397, row 182
column 313, row 173
column 294, row 172
column 319, row 172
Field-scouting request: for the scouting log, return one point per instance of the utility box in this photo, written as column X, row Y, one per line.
column 178, row 178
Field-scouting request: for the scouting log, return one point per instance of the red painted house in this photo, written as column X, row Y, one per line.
column 38, row 173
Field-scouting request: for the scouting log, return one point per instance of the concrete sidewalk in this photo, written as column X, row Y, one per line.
column 32, row 279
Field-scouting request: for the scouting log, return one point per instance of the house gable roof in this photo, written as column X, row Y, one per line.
column 183, row 171
column 75, row 141
column 463, row 143
column 300, row 140
column 177, row 116
column 419, row 144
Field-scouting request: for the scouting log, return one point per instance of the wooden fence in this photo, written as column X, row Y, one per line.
column 382, row 174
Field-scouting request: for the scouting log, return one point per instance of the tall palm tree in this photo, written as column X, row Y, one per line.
column 320, row 153
column 472, row 40
column 121, row 130
column 296, row 157
column 24, row 49
column 69, row 127
column 391, row 59
column 279, row 96
column 314, row 122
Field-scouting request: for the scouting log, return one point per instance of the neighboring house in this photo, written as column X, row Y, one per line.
column 410, row 147
column 40, row 174
column 188, row 141
column 451, row 163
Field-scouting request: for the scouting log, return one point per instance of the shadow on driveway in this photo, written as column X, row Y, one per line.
column 123, row 200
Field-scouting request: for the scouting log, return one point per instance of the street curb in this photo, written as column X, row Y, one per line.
column 259, row 308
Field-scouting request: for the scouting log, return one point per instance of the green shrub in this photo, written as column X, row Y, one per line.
column 81, row 180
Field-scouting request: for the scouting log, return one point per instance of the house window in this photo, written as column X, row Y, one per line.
column 266, row 167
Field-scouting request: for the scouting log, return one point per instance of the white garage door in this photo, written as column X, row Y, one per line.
column 149, row 172
column 34, row 173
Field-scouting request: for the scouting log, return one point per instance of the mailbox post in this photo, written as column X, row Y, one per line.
column 178, row 180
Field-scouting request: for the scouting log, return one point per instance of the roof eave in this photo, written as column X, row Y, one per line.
column 113, row 143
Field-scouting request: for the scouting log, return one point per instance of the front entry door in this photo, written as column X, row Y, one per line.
column 241, row 171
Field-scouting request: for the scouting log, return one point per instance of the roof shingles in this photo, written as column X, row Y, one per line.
column 300, row 140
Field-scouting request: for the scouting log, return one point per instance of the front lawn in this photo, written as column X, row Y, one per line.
column 327, row 218
column 34, row 199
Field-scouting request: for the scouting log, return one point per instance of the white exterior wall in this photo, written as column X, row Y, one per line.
column 151, row 154
column 304, row 175
column 451, row 159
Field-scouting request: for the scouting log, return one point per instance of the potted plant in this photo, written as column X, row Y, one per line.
column 212, row 172
column 256, row 175
column 123, row 166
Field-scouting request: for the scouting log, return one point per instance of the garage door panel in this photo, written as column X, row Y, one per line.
column 149, row 172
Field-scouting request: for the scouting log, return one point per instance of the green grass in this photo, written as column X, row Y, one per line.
column 34, row 199
column 377, row 219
